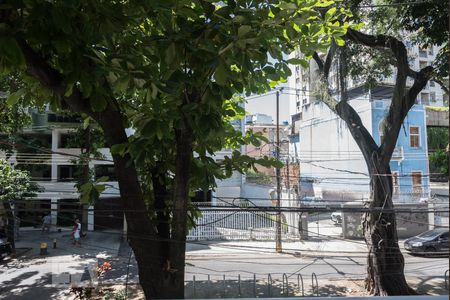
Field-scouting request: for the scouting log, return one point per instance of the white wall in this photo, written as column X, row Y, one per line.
column 266, row 104
column 328, row 151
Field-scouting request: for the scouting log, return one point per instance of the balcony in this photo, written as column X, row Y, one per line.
column 398, row 153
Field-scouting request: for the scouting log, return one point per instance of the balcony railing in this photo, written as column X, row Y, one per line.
column 398, row 153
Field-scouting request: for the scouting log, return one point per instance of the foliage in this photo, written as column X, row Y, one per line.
column 438, row 157
column 13, row 118
column 418, row 24
column 439, row 163
column 257, row 177
column 437, row 138
column 429, row 21
column 14, row 184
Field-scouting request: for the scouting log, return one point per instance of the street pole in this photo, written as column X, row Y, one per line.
column 278, row 246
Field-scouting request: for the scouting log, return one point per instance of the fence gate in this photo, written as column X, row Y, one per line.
column 234, row 225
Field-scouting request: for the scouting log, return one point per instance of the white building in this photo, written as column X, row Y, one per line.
column 44, row 151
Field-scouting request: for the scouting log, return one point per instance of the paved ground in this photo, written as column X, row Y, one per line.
column 33, row 276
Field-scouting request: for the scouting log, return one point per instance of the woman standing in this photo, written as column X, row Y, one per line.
column 76, row 232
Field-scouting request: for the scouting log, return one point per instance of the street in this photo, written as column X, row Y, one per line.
column 337, row 272
column 324, row 267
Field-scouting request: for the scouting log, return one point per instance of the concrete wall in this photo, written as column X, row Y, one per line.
column 257, row 194
column 408, row 224
column 329, row 155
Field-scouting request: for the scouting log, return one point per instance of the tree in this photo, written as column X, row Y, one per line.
column 167, row 69
column 14, row 185
column 437, row 138
column 385, row 261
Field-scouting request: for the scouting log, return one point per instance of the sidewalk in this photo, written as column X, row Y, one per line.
column 311, row 247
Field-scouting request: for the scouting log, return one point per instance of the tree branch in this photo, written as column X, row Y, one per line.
column 443, row 85
column 329, row 59
column 402, row 98
column 319, row 61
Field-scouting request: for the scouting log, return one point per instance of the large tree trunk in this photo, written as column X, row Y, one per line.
column 10, row 222
column 385, row 262
column 158, row 280
column 180, row 199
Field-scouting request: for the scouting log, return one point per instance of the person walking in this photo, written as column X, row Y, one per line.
column 76, row 233
column 46, row 223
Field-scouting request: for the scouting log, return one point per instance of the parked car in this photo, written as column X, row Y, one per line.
column 336, row 217
column 5, row 249
column 429, row 242
column 313, row 201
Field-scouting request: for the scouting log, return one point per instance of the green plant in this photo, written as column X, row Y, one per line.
column 258, row 177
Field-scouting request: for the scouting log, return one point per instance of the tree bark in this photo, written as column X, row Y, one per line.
column 10, row 225
column 181, row 193
column 385, row 262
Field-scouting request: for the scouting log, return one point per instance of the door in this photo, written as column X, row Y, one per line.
column 443, row 242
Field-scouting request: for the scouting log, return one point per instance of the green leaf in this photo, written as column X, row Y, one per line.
column 159, row 133
column 102, row 179
column 121, row 85
column 330, row 13
column 243, row 30
column 339, row 41
column 221, row 74
column 69, row 90
column 119, row 149
column 10, row 50
column 14, row 97
column 170, row 54
column 298, row 61
column 98, row 102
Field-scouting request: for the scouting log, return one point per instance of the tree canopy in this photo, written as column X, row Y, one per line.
column 174, row 72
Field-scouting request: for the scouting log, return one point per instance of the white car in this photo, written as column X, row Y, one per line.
column 336, row 217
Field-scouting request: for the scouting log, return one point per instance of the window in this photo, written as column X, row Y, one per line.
column 395, row 183
column 66, row 173
column 417, row 178
column 381, row 131
column 432, row 84
column 433, row 97
column 422, row 52
column 105, row 170
column 414, row 137
column 424, row 98
column 416, row 182
column 422, row 64
column 37, row 170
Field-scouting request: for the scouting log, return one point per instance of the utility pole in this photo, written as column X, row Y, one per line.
column 278, row 246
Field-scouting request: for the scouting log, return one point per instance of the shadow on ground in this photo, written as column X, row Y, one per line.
column 432, row 285
column 41, row 288
column 250, row 289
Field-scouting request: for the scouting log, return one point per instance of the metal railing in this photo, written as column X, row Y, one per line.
column 274, row 286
